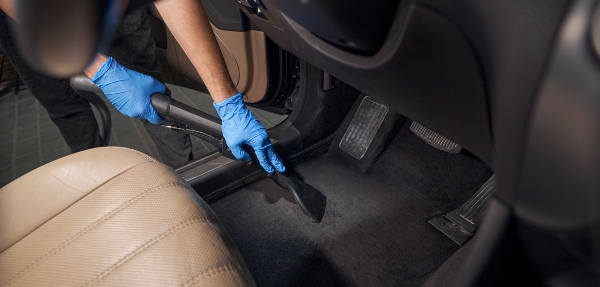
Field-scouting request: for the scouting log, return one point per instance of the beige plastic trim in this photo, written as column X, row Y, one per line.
column 246, row 59
column 245, row 54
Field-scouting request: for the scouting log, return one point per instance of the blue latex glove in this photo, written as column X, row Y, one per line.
column 241, row 127
column 128, row 90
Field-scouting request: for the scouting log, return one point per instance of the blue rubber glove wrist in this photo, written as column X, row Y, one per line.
column 241, row 127
column 129, row 91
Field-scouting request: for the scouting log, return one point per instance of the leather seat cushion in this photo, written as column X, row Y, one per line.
column 114, row 217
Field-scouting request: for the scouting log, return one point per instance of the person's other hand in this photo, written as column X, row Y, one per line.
column 241, row 127
column 129, row 91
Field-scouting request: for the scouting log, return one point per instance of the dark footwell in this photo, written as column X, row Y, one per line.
column 375, row 230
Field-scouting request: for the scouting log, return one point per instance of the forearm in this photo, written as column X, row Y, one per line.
column 93, row 68
column 8, row 7
column 189, row 24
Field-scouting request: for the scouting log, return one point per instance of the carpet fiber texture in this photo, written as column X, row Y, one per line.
column 375, row 230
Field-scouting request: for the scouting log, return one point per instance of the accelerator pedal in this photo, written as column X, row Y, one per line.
column 434, row 139
column 460, row 224
column 364, row 126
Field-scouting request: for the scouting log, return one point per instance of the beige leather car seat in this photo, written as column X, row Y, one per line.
column 113, row 217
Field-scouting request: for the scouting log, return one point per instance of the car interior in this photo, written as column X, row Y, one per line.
column 428, row 143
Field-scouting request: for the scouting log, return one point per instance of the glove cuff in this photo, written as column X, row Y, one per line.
column 105, row 67
column 227, row 107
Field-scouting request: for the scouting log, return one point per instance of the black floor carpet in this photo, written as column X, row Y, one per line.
column 375, row 230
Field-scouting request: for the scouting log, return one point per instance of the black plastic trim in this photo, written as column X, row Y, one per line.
column 226, row 15
column 283, row 72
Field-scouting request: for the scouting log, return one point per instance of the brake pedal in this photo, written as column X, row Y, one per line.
column 434, row 139
column 364, row 126
column 460, row 224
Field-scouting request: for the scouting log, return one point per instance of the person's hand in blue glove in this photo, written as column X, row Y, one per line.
column 241, row 127
column 129, row 91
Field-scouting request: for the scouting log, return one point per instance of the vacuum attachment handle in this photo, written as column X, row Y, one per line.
column 169, row 108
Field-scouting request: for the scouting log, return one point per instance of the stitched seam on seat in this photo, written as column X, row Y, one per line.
column 149, row 158
column 229, row 267
column 88, row 228
column 67, row 207
column 174, row 228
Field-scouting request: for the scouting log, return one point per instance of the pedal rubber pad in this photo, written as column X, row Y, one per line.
column 434, row 139
column 364, row 126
